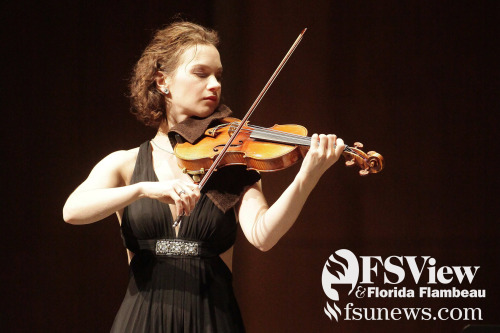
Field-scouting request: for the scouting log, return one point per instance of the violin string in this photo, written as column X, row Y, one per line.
column 295, row 138
column 292, row 135
column 279, row 137
column 303, row 139
column 285, row 137
column 300, row 138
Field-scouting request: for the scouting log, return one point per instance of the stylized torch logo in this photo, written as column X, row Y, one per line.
column 348, row 275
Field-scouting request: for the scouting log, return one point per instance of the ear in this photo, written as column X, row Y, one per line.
column 162, row 81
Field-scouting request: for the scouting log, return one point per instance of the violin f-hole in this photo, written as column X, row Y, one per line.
column 240, row 143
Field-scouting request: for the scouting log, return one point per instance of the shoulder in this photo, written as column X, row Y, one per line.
column 117, row 167
column 123, row 162
column 112, row 171
column 120, row 158
column 123, row 156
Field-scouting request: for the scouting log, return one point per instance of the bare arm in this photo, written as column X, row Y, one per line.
column 262, row 225
column 105, row 191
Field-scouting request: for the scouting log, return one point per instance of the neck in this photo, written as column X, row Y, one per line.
column 161, row 137
column 173, row 118
column 163, row 128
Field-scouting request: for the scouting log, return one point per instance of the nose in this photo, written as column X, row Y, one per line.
column 213, row 84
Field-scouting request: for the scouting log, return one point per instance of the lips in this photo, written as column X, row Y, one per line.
column 211, row 98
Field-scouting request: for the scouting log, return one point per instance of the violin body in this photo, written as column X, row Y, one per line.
column 261, row 149
column 256, row 154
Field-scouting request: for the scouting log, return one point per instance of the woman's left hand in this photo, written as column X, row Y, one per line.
column 262, row 225
column 324, row 152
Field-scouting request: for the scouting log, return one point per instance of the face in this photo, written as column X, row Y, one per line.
column 195, row 86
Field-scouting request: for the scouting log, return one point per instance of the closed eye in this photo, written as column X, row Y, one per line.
column 201, row 74
column 203, row 71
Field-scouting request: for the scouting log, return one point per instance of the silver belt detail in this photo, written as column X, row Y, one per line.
column 176, row 247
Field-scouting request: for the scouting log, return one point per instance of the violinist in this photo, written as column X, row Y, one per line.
column 180, row 277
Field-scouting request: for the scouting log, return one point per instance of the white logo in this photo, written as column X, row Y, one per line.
column 344, row 271
column 348, row 275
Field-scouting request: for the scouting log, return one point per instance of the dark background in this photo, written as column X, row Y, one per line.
column 415, row 81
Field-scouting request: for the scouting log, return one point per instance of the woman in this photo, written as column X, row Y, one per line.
column 180, row 277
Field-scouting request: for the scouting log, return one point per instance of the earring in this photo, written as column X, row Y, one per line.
column 166, row 91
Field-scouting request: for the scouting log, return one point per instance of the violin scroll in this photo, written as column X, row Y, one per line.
column 371, row 162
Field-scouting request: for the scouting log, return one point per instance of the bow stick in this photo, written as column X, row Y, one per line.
column 245, row 118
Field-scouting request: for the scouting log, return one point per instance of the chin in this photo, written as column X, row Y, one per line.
column 205, row 112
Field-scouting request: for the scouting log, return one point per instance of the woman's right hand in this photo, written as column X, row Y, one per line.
column 183, row 194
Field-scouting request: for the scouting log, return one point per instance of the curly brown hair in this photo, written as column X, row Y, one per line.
column 163, row 53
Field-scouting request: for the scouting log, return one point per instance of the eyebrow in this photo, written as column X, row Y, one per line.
column 195, row 66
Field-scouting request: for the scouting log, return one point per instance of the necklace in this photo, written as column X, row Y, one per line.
column 168, row 151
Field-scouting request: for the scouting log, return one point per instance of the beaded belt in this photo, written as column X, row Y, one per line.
column 176, row 248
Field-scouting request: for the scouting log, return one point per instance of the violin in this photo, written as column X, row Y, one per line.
column 262, row 149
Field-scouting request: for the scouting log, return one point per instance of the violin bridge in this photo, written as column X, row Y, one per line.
column 213, row 132
column 195, row 174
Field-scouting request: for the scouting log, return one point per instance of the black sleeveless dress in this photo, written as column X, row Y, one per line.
column 177, row 293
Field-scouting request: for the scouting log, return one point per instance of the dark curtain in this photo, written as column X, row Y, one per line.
column 415, row 81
